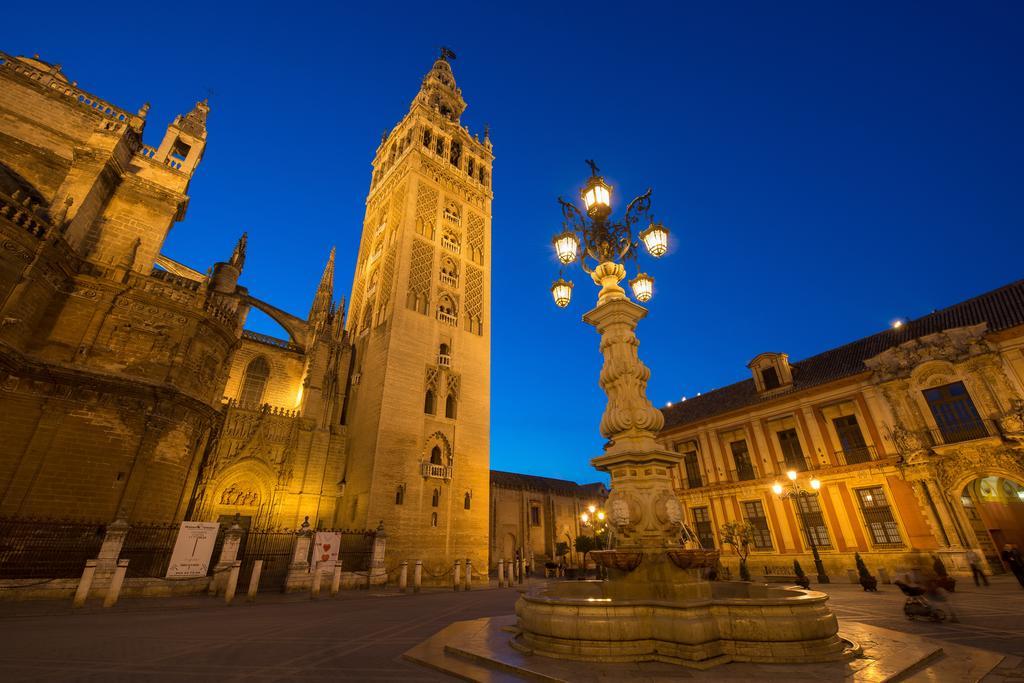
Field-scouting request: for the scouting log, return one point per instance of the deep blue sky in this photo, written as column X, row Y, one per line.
column 824, row 168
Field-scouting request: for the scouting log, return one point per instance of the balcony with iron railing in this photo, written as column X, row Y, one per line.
column 959, row 432
column 856, row 455
column 444, row 360
column 428, row 469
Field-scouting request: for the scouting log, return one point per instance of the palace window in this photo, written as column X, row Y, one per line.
column 741, row 456
column 851, row 440
column 449, row 273
column 791, row 451
column 439, row 147
column 692, row 466
column 469, row 167
column 954, row 413
column 534, row 515
column 456, row 154
column 254, row 383
column 770, row 376
column 426, row 138
column 435, row 456
column 446, row 311
column 400, row 495
column 703, row 529
column 435, row 500
column 878, row 516
column 428, row 402
column 811, row 510
column 753, row 512
column 444, row 355
column 450, row 405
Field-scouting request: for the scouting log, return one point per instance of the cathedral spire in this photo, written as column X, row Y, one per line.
column 439, row 92
column 324, row 299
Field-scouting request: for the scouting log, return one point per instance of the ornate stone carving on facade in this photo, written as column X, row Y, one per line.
column 1012, row 422
column 952, row 468
column 420, row 272
column 952, row 345
column 908, row 442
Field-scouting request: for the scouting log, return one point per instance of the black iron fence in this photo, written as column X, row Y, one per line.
column 148, row 549
column 956, row 432
column 274, row 547
column 46, row 548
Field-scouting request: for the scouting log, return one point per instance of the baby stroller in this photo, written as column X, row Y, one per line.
column 916, row 604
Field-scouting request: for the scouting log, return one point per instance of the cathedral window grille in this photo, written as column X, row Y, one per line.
column 444, row 356
column 466, row 501
column 450, row 406
column 427, row 138
column 428, row 403
column 439, row 147
column 400, row 495
column 435, row 499
column 254, row 383
column 456, row 154
column 447, row 312
column 878, row 518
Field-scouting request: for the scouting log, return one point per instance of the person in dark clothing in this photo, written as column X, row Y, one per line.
column 1013, row 560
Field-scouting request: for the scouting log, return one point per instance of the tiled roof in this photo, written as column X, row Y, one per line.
column 514, row 480
column 1001, row 309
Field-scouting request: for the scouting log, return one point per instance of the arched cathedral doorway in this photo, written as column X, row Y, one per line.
column 994, row 505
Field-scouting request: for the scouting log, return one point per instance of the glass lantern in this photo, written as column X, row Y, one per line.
column 597, row 197
column 561, row 290
column 566, row 247
column 643, row 287
column 655, row 238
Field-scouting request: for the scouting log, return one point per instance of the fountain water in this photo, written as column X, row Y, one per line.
column 655, row 605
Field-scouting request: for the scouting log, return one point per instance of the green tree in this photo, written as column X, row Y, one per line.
column 740, row 535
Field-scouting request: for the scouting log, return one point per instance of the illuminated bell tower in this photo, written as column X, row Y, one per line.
column 418, row 408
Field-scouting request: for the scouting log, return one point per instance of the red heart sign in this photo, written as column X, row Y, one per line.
column 327, row 546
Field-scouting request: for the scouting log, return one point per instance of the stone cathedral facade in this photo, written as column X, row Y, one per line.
column 130, row 389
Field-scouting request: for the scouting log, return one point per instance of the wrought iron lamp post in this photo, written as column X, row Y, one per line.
column 795, row 491
column 595, row 519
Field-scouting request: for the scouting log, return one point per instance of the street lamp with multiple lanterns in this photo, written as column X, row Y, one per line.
column 593, row 236
column 794, row 490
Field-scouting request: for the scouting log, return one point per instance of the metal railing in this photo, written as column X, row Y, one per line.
column 50, row 549
column 856, row 455
column 148, row 548
column 958, row 432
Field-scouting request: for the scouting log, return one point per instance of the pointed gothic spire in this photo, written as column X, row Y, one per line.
column 238, row 255
column 439, row 91
column 324, row 299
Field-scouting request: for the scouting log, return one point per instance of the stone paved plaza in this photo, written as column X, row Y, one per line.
column 361, row 636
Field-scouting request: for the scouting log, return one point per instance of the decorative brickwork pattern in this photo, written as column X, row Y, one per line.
column 426, row 211
column 475, row 237
column 420, row 270
column 474, row 300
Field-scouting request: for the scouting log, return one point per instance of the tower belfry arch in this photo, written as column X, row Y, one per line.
column 422, row 283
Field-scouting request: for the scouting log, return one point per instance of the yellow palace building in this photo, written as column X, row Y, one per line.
column 916, row 435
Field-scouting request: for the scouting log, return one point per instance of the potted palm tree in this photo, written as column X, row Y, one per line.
column 867, row 581
column 801, row 578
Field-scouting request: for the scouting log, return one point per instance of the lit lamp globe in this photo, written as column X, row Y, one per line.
column 561, row 290
column 791, row 474
column 600, row 516
column 566, row 246
column 597, row 197
column 584, row 518
column 655, row 239
column 815, row 484
column 642, row 286
column 777, row 488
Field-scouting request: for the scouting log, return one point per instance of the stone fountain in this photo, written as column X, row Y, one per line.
column 655, row 605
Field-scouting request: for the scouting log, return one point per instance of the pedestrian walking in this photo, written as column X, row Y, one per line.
column 1014, row 561
column 974, row 560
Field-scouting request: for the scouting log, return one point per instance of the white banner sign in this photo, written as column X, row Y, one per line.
column 325, row 547
column 192, row 550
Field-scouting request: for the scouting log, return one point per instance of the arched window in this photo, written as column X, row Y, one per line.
column 254, row 382
column 449, row 406
column 435, row 500
column 435, row 456
column 428, row 402
column 444, row 355
column 400, row 495
column 433, row 519
column 466, row 501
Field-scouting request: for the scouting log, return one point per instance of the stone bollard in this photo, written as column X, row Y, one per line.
column 457, row 575
column 254, row 580
column 84, row 584
column 468, row 580
column 336, row 579
column 501, row 573
column 314, row 587
column 520, row 570
column 298, row 569
column 509, row 570
column 417, row 576
column 228, row 554
column 403, row 575
column 229, row 590
column 115, row 584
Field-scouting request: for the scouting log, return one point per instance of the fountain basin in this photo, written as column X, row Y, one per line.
column 624, row 560
column 740, row 621
column 692, row 558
